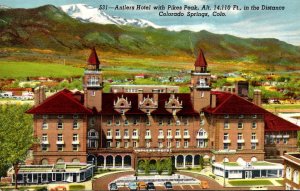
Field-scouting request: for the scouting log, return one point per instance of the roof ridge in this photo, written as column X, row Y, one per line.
column 230, row 95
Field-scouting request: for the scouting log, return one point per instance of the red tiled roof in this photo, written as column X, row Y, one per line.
column 201, row 61
column 93, row 59
column 232, row 104
column 228, row 103
column 275, row 123
column 62, row 102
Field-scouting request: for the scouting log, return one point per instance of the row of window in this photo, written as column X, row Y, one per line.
column 147, row 122
column 240, row 125
column 226, row 116
column 240, row 136
column 75, row 116
column 60, row 124
column 239, row 146
column 59, row 147
column 59, row 138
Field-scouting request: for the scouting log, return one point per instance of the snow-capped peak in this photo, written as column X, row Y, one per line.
column 87, row 13
column 4, row 7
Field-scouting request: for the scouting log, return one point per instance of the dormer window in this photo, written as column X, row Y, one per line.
column 126, row 122
column 226, row 116
column 75, row 116
column 45, row 116
column 178, row 122
column 241, row 116
column 60, row 116
column 118, row 122
column 108, row 122
column 59, row 124
column 160, row 122
column 135, row 122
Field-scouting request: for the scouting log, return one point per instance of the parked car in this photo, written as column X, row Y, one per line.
column 142, row 186
column 150, row 186
column 113, row 186
column 132, row 186
column 168, row 186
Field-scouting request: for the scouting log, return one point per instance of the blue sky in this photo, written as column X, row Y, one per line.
column 283, row 25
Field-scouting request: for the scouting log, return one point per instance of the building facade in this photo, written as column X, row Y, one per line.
column 117, row 130
column 291, row 169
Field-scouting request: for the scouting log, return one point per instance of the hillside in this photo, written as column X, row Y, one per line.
column 49, row 28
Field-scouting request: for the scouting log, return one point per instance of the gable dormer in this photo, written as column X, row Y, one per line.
column 122, row 105
column 173, row 105
column 148, row 104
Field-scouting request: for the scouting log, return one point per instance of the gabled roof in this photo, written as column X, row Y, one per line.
column 62, row 102
column 201, row 61
column 228, row 103
column 93, row 58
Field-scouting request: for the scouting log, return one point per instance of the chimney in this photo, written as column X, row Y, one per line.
column 39, row 95
column 140, row 95
column 213, row 101
column 257, row 97
column 155, row 95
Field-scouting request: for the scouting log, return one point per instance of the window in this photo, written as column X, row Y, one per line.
column 186, row 144
column 226, row 146
column 253, row 136
column 118, row 144
column 288, row 173
column 59, row 124
column 186, row 132
column 108, row 133
column 254, row 125
column 160, row 122
column 126, row 122
column 118, row 122
column 108, row 122
column 44, row 147
column 160, row 133
column 135, row 122
column 148, row 144
column 59, row 137
column 169, row 144
column 200, row 143
column 177, row 122
column 240, row 146
column 75, row 116
column 148, row 133
column 118, row 134
column 93, row 93
column 160, row 144
column 75, row 137
column 177, row 144
column 277, row 140
column 186, row 122
column 126, row 133
column 126, row 144
column 108, row 144
column 60, row 116
column 254, row 116
column 169, row 122
column 202, row 133
column 202, row 122
column 241, row 116
column 226, row 136
column 226, row 116
column 240, row 136
column 285, row 140
column 135, row 144
column 60, row 147
column 75, row 147
column 177, row 133
column 75, row 124
column 45, row 116
column 44, row 124
column 226, row 125
column 169, row 133
column 240, row 125
column 253, row 146
column 44, row 138
column 148, row 122
column 135, row 133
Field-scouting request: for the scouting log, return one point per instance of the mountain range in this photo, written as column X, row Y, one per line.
column 50, row 27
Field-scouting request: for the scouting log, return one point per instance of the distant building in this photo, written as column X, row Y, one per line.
column 144, row 88
column 141, row 76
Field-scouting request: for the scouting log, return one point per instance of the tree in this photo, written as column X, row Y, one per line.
column 159, row 166
column 16, row 136
column 201, row 162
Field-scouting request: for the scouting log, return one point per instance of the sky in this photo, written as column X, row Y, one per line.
column 283, row 25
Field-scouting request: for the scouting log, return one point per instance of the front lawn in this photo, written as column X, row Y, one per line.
column 255, row 182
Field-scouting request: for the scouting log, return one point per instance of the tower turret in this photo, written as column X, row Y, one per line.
column 93, row 82
column 200, row 83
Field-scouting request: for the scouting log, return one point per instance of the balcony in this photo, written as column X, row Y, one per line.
column 118, row 137
column 108, row 136
column 126, row 137
column 161, row 136
column 75, row 142
column 148, row 137
column 227, row 141
column 135, row 137
column 169, row 137
column 201, row 136
column 240, row 141
column 286, row 136
column 254, row 140
column 60, row 142
column 186, row 136
column 177, row 136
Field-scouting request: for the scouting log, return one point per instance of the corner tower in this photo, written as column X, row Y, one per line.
column 200, row 83
column 93, row 82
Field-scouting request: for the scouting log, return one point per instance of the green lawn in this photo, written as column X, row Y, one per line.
column 281, row 106
column 9, row 69
column 231, row 164
column 76, row 187
column 255, row 182
column 262, row 164
column 280, row 181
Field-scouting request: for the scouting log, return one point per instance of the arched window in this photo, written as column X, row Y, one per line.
column 296, row 176
column 92, row 133
column 225, row 160
column 60, row 160
column 202, row 133
column 75, row 160
column 44, row 162
column 288, row 173
column 253, row 159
